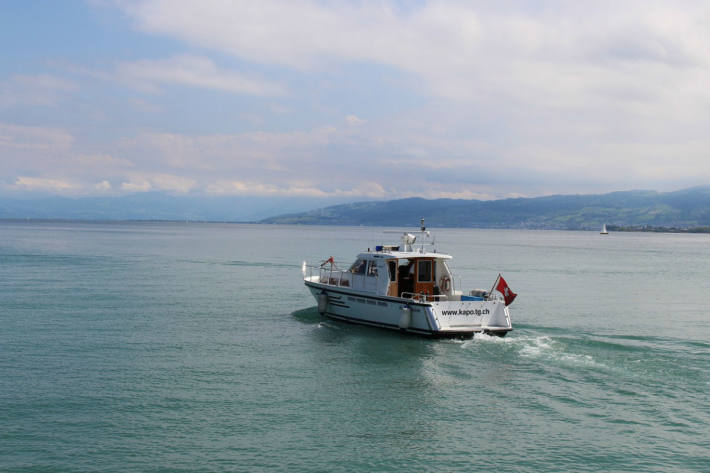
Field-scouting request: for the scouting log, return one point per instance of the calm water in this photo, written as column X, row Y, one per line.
column 195, row 347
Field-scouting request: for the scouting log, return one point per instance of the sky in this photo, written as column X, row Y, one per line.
column 345, row 101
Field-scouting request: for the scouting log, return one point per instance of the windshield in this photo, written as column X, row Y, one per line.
column 358, row 267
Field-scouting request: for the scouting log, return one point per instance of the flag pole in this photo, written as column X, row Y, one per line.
column 495, row 283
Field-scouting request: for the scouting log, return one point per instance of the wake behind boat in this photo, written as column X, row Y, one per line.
column 408, row 287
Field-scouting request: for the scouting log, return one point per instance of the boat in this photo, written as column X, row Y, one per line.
column 603, row 231
column 408, row 287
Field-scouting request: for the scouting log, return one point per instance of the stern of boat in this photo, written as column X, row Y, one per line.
column 470, row 317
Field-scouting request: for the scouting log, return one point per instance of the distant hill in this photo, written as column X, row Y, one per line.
column 152, row 206
column 680, row 209
column 684, row 209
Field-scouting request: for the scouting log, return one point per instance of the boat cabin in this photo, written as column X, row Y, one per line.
column 394, row 273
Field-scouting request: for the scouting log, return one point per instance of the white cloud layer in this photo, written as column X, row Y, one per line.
column 38, row 184
column 33, row 138
column 380, row 99
column 195, row 71
column 604, row 89
column 535, row 52
column 42, row 90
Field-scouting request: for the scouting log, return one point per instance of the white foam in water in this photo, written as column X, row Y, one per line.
column 546, row 348
column 484, row 337
column 328, row 325
column 542, row 346
column 455, row 341
column 537, row 347
column 513, row 341
column 584, row 360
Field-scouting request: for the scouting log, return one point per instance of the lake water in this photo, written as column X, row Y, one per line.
column 195, row 347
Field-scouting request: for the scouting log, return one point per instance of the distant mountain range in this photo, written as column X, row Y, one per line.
column 680, row 209
column 154, row 206
column 687, row 208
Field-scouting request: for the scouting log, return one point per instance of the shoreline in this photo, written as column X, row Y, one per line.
column 610, row 228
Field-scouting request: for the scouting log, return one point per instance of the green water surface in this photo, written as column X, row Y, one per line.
column 195, row 347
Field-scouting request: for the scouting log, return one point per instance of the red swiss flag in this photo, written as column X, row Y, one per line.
column 503, row 288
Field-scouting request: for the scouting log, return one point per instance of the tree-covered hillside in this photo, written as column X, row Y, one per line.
column 681, row 209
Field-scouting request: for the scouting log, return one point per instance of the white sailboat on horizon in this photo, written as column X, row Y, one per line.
column 604, row 232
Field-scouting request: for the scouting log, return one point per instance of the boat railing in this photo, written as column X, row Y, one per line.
column 330, row 275
column 417, row 296
column 424, row 243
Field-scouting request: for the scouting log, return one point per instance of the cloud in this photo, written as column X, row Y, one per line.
column 138, row 185
column 547, row 90
column 461, row 99
column 160, row 182
column 354, row 120
column 263, row 163
column 172, row 183
column 194, row 71
column 143, row 106
column 103, row 186
column 34, row 137
column 38, row 184
column 297, row 189
column 100, row 161
column 241, row 152
column 463, row 49
column 226, row 187
column 49, row 160
column 42, row 90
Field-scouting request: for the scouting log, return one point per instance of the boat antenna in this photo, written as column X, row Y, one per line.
column 423, row 227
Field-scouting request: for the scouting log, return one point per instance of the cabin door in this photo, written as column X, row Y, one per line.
column 425, row 276
column 392, row 269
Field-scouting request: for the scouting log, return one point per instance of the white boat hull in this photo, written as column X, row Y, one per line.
column 431, row 318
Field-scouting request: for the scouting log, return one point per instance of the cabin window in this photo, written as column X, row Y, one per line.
column 424, row 274
column 358, row 267
column 372, row 268
column 393, row 270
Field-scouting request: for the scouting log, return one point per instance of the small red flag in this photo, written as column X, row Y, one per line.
column 329, row 260
column 502, row 287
